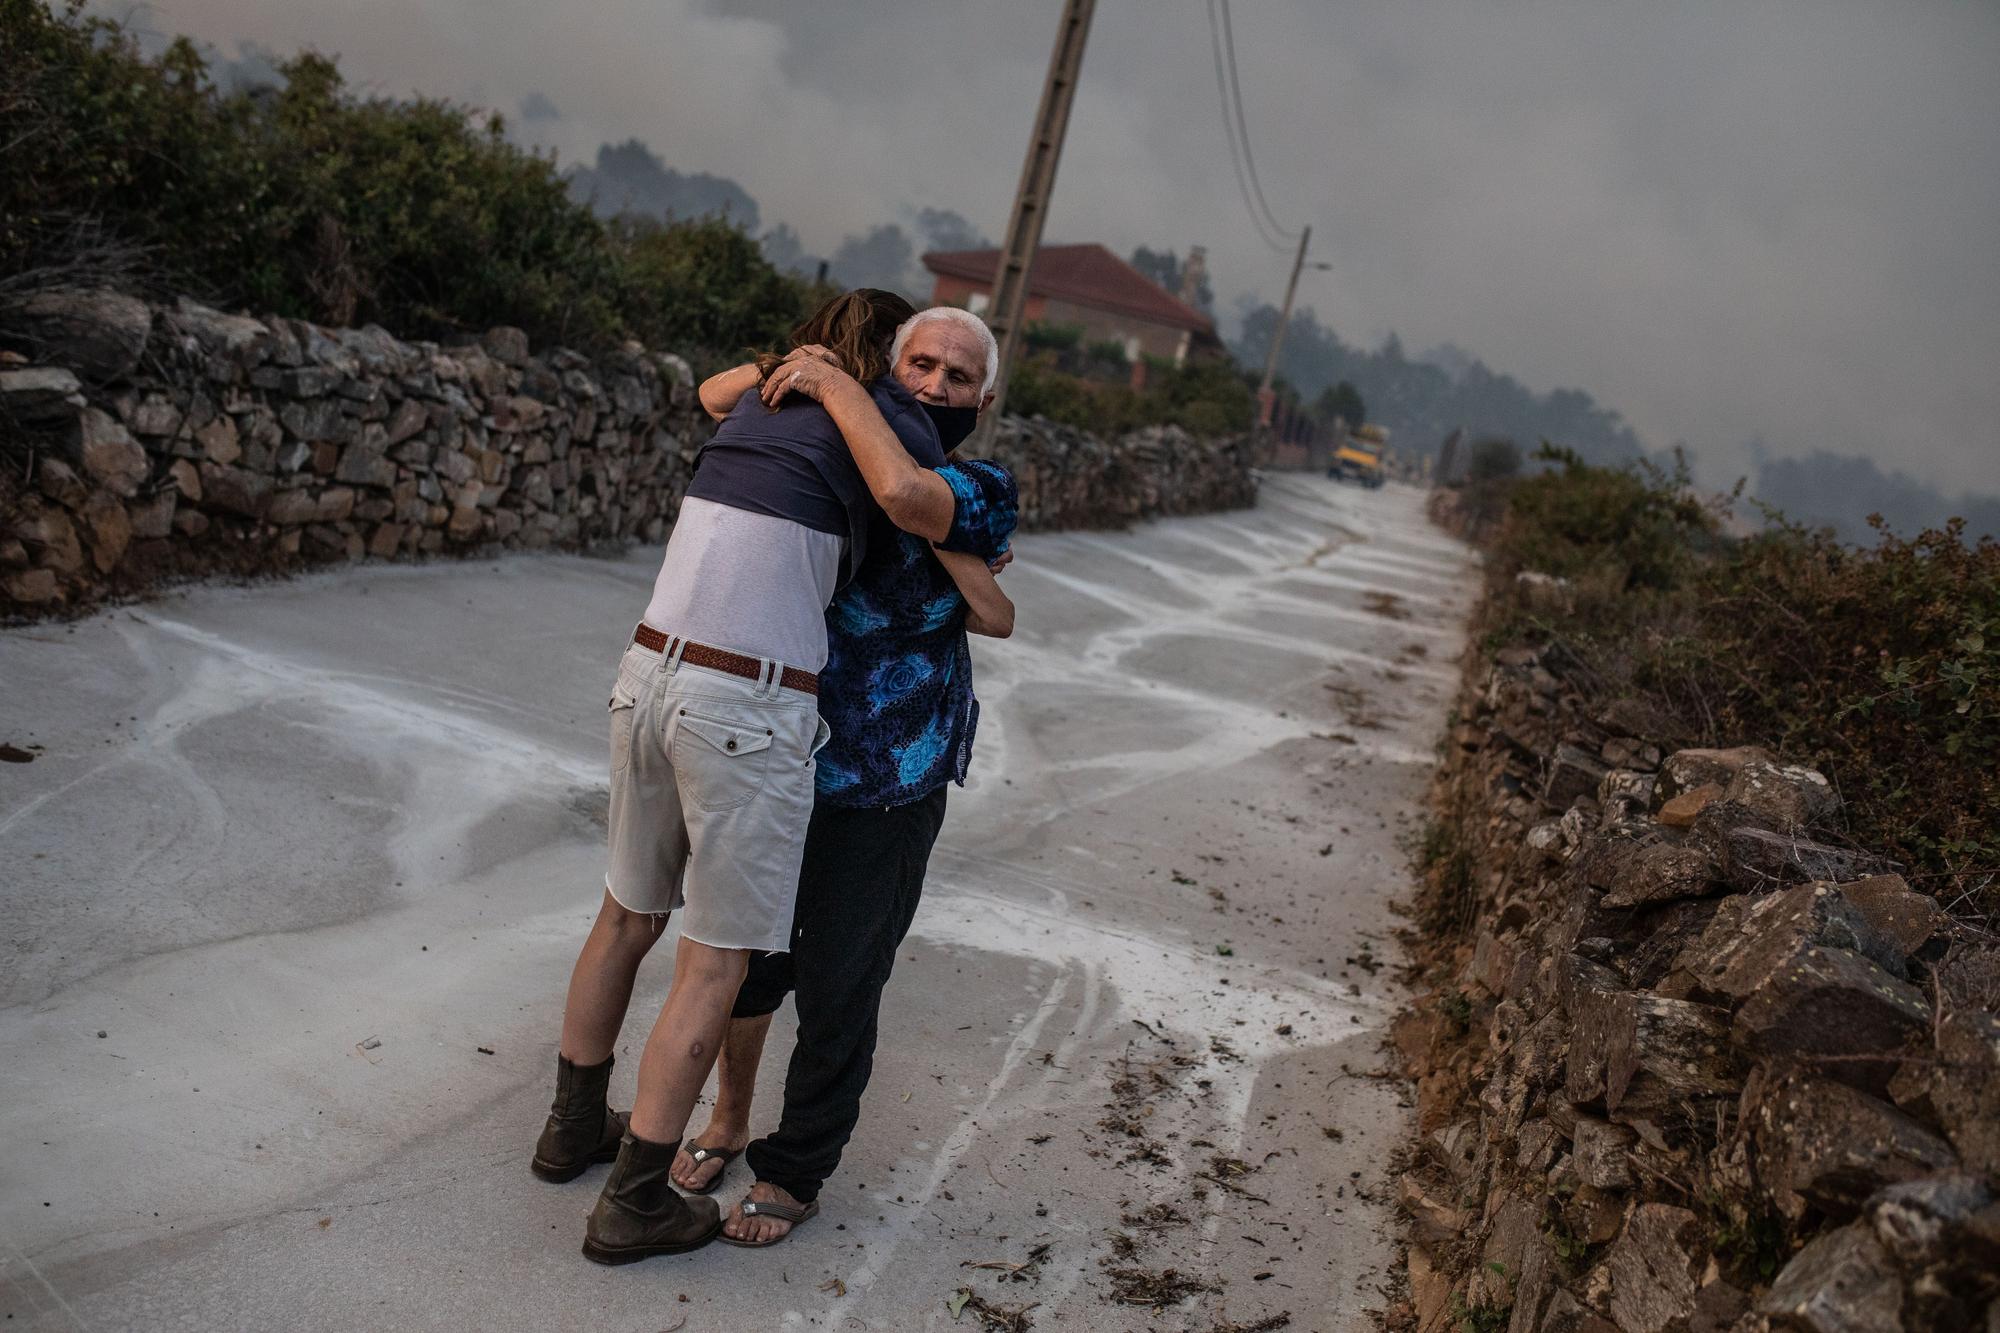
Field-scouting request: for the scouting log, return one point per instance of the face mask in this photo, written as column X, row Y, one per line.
column 954, row 424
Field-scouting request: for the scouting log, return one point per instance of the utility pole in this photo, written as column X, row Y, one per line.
column 1265, row 397
column 1031, row 198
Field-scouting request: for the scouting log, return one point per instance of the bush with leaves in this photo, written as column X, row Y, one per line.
column 1205, row 396
column 1880, row 666
column 306, row 200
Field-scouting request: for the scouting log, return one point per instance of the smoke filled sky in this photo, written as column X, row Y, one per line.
column 1732, row 220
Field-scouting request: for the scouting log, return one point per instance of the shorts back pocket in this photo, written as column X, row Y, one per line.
column 719, row 761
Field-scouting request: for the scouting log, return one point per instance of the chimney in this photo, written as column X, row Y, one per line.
column 1192, row 273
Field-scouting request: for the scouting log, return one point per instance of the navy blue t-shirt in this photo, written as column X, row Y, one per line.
column 793, row 463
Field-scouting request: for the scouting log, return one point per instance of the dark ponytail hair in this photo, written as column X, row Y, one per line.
column 857, row 327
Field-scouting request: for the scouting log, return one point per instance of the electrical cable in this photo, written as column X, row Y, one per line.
column 1231, row 132
column 1243, row 126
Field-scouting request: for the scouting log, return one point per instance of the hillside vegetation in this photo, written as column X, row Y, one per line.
column 309, row 201
column 1880, row 666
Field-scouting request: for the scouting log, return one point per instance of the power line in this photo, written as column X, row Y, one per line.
column 1229, row 132
column 1243, row 123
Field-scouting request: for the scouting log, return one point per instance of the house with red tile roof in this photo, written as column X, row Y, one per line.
column 1085, row 286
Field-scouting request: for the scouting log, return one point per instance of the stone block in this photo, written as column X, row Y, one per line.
column 336, row 504
column 1841, row 1282
column 154, row 414
column 106, row 452
column 385, row 540
column 50, row 537
column 410, row 419
column 155, row 518
column 219, row 441
column 1833, row 1002
column 29, row 587
column 236, row 490
column 1909, row 921
column 230, row 340
column 1664, row 872
column 1627, row 785
column 316, row 419
column 1943, row 1232
column 465, row 523
column 108, row 527
column 1636, row 1052
column 60, row 482
column 1823, row 1143
column 39, row 393
column 1652, row 1270
column 292, row 507
column 1787, row 796
column 1598, row 1153
column 361, row 466
column 1684, row 770
column 292, row 457
column 505, row 344
column 1755, row 858
column 308, row 381
column 1752, row 939
column 95, row 331
column 1683, row 809
column 1434, row 1220
column 1965, row 1089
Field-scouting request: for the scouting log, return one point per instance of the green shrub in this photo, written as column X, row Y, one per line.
column 1880, row 666
column 1207, row 398
column 309, row 201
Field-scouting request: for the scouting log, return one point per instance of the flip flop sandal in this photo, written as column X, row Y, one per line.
column 698, row 1154
column 784, row 1212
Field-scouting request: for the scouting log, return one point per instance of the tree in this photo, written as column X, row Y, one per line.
column 1343, row 401
column 1492, row 459
column 1164, row 267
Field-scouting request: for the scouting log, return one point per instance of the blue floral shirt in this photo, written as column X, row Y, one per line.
column 897, row 687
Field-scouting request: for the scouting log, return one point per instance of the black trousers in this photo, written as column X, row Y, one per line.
column 858, row 890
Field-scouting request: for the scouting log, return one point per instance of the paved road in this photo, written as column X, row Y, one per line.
column 292, row 855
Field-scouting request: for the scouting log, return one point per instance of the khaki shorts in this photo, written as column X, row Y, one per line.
column 711, row 792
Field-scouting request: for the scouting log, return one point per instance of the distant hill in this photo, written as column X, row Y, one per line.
column 629, row 177
column 1840, row 491
column 1423, row 399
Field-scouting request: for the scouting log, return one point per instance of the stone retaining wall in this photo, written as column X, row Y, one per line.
column 143, row 443
column 1690, row 1061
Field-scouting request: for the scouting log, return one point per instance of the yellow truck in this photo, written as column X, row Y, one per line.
column 1359, row 457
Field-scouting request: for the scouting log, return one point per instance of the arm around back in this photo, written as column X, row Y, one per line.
column 916, row 499
column 989, row 611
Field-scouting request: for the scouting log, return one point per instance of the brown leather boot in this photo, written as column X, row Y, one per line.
column 640, row 1214
column 582, row 1129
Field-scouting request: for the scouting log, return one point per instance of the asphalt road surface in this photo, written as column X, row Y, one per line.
column 293, row 886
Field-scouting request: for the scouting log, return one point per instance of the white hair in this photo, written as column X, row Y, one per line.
column 966, row 320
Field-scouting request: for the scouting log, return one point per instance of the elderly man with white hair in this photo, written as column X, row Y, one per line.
column 897, row 693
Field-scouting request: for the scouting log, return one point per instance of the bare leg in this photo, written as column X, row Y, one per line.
column 685, row 1039
column 735, row 1086
column 600, row 988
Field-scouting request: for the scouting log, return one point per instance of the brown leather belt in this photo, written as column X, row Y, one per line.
column 721, row 659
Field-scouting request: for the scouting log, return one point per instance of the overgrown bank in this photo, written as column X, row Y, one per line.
column 1709, row 1034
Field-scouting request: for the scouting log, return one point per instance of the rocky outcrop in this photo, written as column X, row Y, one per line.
column 148, row 443
column 1735, row 1073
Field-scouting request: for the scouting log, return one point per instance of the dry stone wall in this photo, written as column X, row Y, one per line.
column 144, row 443
column 1691, row 1061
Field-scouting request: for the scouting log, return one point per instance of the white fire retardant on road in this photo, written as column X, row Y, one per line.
column 293, row 886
